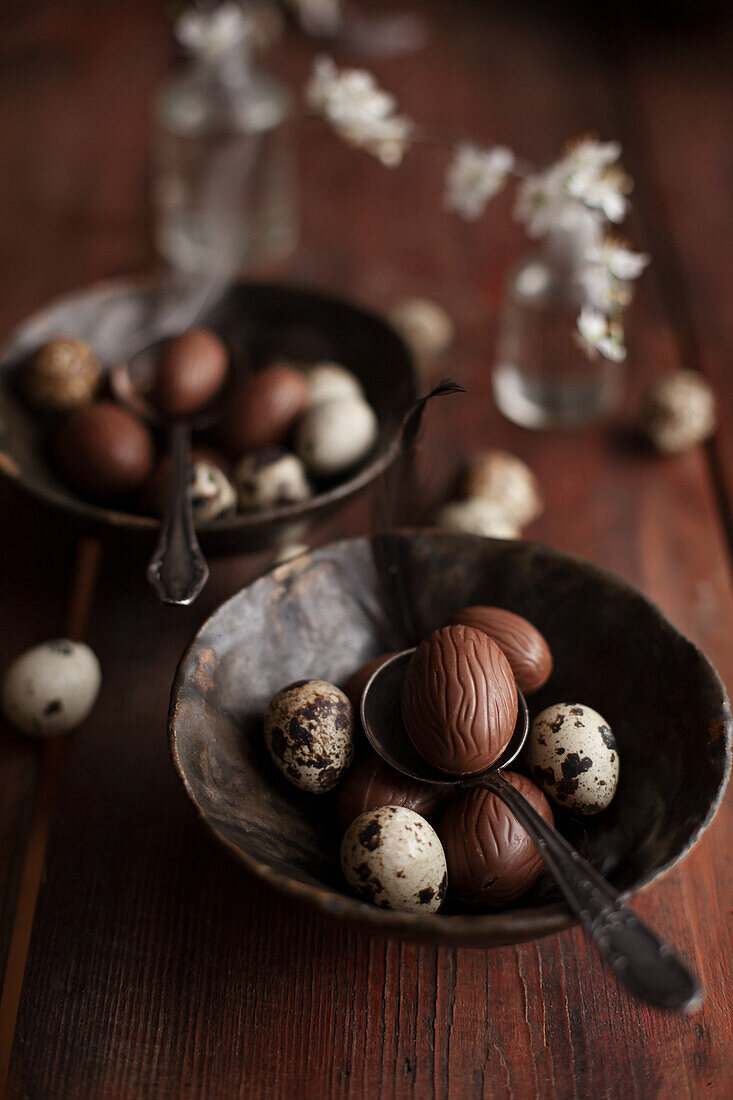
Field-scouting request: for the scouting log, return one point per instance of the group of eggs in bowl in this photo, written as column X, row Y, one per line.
column 316, row 391
column 325, row 615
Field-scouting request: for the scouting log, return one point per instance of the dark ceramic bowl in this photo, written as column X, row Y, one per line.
column 325, row 614
column 264, row 322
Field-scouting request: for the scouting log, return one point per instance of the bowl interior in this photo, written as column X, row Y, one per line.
column 260, row 322
column 324, row 615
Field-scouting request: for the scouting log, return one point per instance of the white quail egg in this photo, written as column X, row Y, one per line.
column 212, row 493
column 424, row 326
column 393, row 858
column 266, row 479
column 333, row 436
column 571, row 752
column 477, row 517
column 52, row 687
column 505, row 480
column 330, row 382
column 309, row 733
column 678, row 411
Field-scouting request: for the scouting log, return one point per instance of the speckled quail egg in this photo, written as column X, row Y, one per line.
column 477, row 517
column 424, row 326
column 52, row 687
column 393, row 858
column 309, row 733
column 333, row 436
column 571, row 752
column 678, row 411
column 330, row 382
column 269, row 478
column 212, row 493
column 505, row 480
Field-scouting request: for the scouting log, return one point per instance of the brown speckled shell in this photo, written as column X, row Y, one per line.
column 64, row 374
column 521, row 643
column 191, row 371
column 372, row 783
column 309, row 728
column 491, row 859
column 459, row 700
column 263, row 410
column 104, row 450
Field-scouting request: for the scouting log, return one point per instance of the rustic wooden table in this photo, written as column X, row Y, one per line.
column 139, row 960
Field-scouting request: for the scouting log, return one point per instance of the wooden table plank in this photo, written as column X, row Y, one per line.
column 157, row 968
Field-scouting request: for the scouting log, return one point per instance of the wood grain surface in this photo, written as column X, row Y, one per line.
column 156, row 967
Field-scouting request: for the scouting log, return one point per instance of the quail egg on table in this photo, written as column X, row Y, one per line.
column 269, row 478
column 335, row 435
column 393, row 858
column 330, row 382
column 52, row 687
column 477, row 517
column 424, row 325
column 309, row 733
column 572, row 754
column 504, row 479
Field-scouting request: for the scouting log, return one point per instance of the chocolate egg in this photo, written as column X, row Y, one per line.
column 358, row 680
column 64, row 374
column 372, row 783
column 491, row 859
column 263, row 410
column 309, row 729
column 104, row 450
column 521, row 643
column 459, row 700
column 190, row 373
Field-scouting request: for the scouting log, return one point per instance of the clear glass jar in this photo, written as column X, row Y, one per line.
column 223, row 167
column 542, row 378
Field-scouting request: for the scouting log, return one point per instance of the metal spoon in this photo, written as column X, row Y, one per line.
column 177, row 571
column 638, row 957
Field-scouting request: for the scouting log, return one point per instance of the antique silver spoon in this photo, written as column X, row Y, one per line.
column 647, row 965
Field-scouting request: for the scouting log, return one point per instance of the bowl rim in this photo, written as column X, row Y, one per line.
column 241, row 521
column 495, row 928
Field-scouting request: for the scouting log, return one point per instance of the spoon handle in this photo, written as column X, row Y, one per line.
column 638, row 957
column 177, row 570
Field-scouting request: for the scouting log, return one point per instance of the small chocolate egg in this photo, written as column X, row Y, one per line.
column 191, row 371
column 263, row 410
column 491, row 859
column 330, row 382
column 335, row 435
column 104, row 450
column 521, row 643
column 270, row 479
column 371, row 782
column 477, row 517
column 52, row 687
column 571, row 752
column 309, row 733
column 504, row 480
column 393, row 858
column 63, row 375
column 358, row 680
column 459, row 700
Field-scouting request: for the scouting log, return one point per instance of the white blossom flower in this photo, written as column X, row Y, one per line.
column 595, row 335
column 475, row 176
column 542, row 203
column 592, row 175
column 617, row 259
column 360, row 111
column 212, row 33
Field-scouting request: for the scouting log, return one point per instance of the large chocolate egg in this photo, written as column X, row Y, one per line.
column 104, row 450
column 459, row 700
column 521, row 643
column 372, row 783
column 191, row 371
column 263, row 410
column 491, row 859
